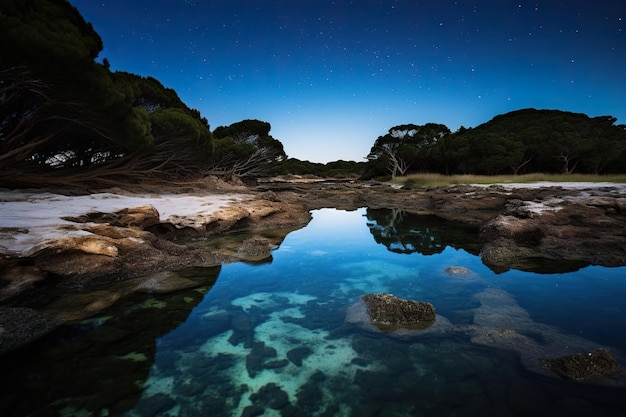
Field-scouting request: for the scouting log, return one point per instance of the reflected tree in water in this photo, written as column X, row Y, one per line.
column 405, row 232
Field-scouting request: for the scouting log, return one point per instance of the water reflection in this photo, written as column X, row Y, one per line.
column 98, row 366
column 404, row 232
column 272, row 339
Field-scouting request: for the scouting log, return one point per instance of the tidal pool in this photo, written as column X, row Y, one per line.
column 271, row 339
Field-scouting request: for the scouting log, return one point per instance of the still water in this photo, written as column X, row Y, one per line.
column 272, row 339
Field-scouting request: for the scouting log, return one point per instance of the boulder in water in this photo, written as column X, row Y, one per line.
column 583, row 366
column 389, row 313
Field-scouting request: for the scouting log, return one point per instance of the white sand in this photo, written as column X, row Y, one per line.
column 30, row 218
column 567, row 185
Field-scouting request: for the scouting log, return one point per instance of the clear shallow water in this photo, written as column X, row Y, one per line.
column 272, row 339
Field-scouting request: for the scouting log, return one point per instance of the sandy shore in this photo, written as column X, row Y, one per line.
column 29, row 218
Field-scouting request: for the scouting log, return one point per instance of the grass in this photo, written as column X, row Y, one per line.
column 436, row 180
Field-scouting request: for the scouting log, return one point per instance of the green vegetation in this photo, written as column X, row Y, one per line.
column 437, row 180
column 405, row 147
column 335, row 169
column 246, row 148
column 519, row 142
column 67, row 119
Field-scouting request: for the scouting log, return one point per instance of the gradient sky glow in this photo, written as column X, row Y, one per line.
column 332, row 76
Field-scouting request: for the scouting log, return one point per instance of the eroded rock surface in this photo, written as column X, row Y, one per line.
column 523, row 226
column 589, row 230
column 87, row 247
column 500, row 322
column 389, row 313
column 584, row 366
column 21, row 325
column 128, row 250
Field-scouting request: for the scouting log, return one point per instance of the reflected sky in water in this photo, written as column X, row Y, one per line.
column 272, row 339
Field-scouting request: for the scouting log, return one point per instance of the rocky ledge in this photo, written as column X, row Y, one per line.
column 585, row 366
column 83, row 242
column 114, row 253
column 522, row 226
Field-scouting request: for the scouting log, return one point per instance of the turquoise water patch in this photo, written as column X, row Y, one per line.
column 274, row 340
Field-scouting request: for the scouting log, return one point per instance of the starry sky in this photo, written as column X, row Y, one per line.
column 332, row 76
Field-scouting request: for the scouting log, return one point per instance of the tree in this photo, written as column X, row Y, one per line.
column 405, row 145
column 493, row 153
column 48, row 35
column 530, row 140
column 63, row 114
column 608, row 142
column 452, row 153
column 245, row 149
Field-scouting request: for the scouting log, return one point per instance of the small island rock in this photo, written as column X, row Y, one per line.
column 584, row 366
column 389, row 313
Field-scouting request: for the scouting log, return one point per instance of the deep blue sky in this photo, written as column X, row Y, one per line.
column 331, row 76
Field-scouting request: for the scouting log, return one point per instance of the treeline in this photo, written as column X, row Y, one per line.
column 518, row 142
column 65, row 118
column 333, row 169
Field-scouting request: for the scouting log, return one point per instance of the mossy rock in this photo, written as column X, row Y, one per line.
column 389, row 313
column 584, row 366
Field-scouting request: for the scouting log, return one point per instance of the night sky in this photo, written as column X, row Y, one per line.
column 331, row 76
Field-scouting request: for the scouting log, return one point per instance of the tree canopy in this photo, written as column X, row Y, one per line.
column 246, row 148
column 64, row 115
column 406, row 146
column 521, row 141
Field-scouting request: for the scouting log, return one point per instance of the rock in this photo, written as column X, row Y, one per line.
column 164, row 282
column 19, row 326
column 310, row 398
column 277, row 364
column 255, row 249
column 256, row 360
column 457, row 271
column 140, row 217
column 155, row 404
column 318, row 376
column 584, row 366
column 75, row 264
column 570, row 233
column 389, row 313
column 359, row 362
column 297, row 355
column 116, row 232
column 252, row 411
column 271, row 396
column 501, row 323
column 243, row 329
column 16, row 278
column 460, row 273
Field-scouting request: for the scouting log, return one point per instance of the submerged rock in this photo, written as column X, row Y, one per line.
column 270, row 396
column 259, row 359
column 584, row 365
column 19, row 326
column 255, row 249
column 455, row 271
column 460, row 273
column 388, row 312
column 298, row 354
column 500, row 322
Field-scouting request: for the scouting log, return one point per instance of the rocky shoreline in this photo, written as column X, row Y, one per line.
column 124, row 249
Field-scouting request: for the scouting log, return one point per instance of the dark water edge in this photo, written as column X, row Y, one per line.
column 272, row 339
